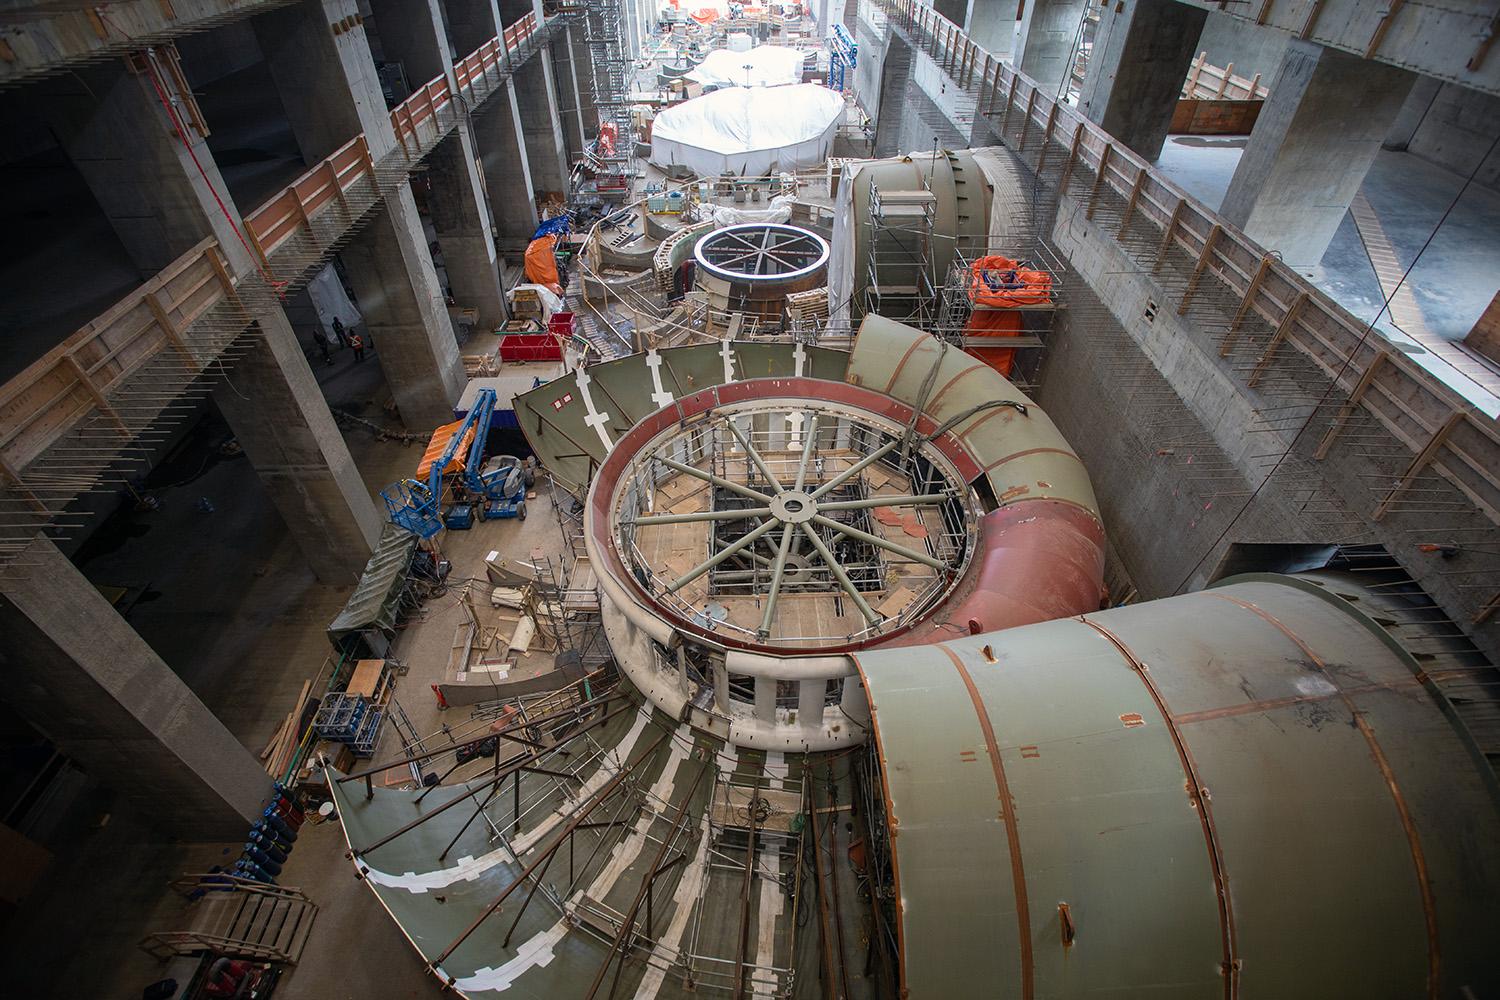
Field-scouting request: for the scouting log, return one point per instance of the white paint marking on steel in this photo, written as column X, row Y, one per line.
column 595, row 419
column 728, row 356
column 470, row 868
column 794, row 421
column 538, row 950
column 667, row 953
column 772, row 903
column 659, row 396
column 629, row 849
column 799, row 356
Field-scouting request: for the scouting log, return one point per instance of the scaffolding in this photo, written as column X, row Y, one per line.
column 899, row 260
column 604, row 34
column 957, row 305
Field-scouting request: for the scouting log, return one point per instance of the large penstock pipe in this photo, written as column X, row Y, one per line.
column 1251, row 791
column 1040, row 548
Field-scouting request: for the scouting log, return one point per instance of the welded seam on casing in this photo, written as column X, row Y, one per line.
column 1230, row 969
column 1413, row 840
column 1012, row 834
column 902, row 363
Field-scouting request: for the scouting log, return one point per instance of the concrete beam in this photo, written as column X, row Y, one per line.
column 277, row 412
column 583, row 78
column 991, row 24
column 1046, row 42
column 1316, row 137
column 45, row 39
column 1137, row 68
column 82, row 676
column 1448, row 41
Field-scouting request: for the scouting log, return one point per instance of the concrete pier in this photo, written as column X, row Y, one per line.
column 85, row 679
column 1137, row 69
column 1316, row 137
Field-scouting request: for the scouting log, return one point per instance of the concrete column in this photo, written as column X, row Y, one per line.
column 278, row 414
column 992, row 26
column 1046, row 40
column 113, row 127
column 330, row 92
column 502, row 156
column 569, row 100
column 412, row 33
column 403, row 308
column 583, row 77
column 460, row 217
column 83, row 677
column 546, row 151
column 1137, row 68
column 163, row 202
column 953, row 10
column 499, row 126
column 1315, row 139
column 471, row 23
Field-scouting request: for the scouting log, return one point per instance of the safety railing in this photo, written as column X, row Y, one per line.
column 78, row 374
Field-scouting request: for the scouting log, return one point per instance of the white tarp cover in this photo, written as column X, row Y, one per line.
column 750, row 133
column 770, row 66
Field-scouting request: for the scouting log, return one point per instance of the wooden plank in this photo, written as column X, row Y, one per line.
column 1347, row 410
column 1202, row 265
column 1420, row 462
column 1245, row 302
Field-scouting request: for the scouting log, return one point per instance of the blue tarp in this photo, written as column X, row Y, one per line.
column 557, row 224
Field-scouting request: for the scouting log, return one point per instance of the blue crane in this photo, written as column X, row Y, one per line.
column 498, row 487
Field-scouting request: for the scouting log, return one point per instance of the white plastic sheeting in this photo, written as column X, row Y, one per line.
column 778, row 209
column 748, row 132
column 769, row 66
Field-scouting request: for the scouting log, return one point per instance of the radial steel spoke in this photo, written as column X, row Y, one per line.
column 856, row 468
column 709, row 477
column 719, row 557
column 876, row 540
column 778, row 571
column 760, row 464
column 880, row 501
column 810, row 435
column 703, row 515
column 838, row 572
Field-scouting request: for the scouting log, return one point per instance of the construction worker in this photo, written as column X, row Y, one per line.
column 338, row 331
column 321, row 340
column 357, row 344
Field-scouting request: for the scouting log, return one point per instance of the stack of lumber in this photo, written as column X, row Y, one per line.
column 481, row 365
column 283, row 745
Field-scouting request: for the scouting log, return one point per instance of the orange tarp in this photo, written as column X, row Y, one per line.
column 1001, row 284
column 438, row 443
column 541, row 263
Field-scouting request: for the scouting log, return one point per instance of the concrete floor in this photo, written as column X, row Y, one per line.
column 1458, row 272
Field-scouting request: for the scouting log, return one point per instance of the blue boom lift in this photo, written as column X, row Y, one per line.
column 493, row 489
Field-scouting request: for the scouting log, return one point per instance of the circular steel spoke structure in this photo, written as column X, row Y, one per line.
column 750, row 269
column 793, row 524
column 761, row 251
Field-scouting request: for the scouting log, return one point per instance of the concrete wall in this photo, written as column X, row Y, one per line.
column 1452, row 127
